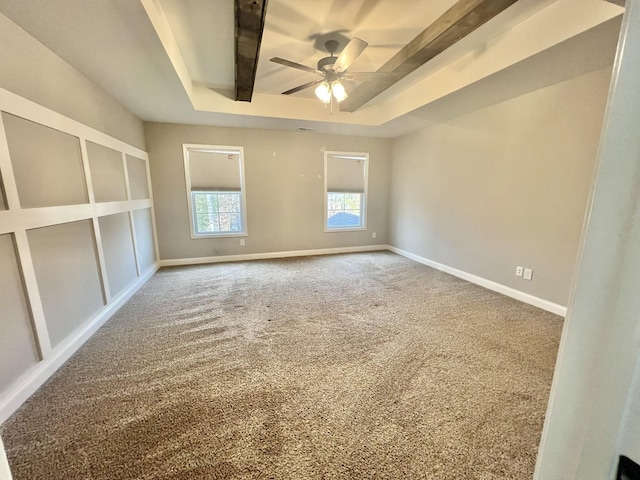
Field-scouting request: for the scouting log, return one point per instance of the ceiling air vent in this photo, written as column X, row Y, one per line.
column 305, row 129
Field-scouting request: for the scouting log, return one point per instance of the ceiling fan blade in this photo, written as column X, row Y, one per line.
column 352, row 51
column 301, row 87
column 369, row 76
column 289, row 63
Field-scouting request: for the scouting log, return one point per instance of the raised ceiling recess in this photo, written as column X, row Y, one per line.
column 457, row 22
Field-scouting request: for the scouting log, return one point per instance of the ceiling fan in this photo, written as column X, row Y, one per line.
column 332, row 69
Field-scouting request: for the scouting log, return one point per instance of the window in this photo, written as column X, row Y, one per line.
column 345, row 190
column 215, row 182
column 344, row 209
column 216, row 212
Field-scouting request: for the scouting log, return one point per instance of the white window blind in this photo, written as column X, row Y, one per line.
column 214, row 171
column 345, row 173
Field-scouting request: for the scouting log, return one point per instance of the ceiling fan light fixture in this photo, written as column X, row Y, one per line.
column 331, row 69
column 338, row 91
column 323, row 92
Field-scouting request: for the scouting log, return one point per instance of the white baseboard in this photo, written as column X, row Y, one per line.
column 267, row 255
column 35, row 377
column 5, row 472
column 483, row 282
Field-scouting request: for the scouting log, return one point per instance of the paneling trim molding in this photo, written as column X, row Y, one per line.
column 35, row 377
column 17, row 221
column 31, row 289
column 22, row 107
column 488, row 284
column 6, row 169
column 29, row 218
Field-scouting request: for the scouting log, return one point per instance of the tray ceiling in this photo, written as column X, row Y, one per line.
column 173, row 60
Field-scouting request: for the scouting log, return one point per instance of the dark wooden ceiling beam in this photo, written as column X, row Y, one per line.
column 457, row 22
column 249, row 16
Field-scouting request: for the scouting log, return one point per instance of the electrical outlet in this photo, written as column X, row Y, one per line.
column 518, row 271
column 373, row 235
column 528, row 273
column 242, row 242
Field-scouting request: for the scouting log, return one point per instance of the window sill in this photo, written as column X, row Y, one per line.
column 346, row 229
column 219, row 235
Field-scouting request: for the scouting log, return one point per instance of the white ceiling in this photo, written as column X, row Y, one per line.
column 298, row 31
column 173, row 60
column 203, row 30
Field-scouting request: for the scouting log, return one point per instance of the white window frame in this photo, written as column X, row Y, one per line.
column 364, row 202
column 231, row 150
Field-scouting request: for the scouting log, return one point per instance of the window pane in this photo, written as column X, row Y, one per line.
column 336, row 201
column 212, row 202
column 236, row 203
column 344, row 210
column 201, row 203
column 207, row 223
column 225, row 222
column 352, row 201
column 217, row 212
column 235, row 224
column 229, row 222
column 229, row 202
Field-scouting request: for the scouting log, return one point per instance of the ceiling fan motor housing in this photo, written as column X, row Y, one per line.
column 326, row 63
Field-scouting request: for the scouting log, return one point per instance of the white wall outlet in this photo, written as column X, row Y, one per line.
column 242, row 242
column 528, row 273
column 373, row 235
column 518, row 271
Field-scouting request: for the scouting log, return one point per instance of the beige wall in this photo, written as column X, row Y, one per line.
column 29, row 69
column 284, row 186
column 48, row 171
column 18, row 350
column 502, row 186
column 119, row 255
column 66, row 267
column 630, row 439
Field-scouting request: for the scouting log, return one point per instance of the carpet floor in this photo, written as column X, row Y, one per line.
column 357, row 366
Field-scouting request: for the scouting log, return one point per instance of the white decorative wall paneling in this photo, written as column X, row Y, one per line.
column 18, row 221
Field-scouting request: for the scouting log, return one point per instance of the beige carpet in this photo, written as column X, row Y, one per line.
column 355, row 366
